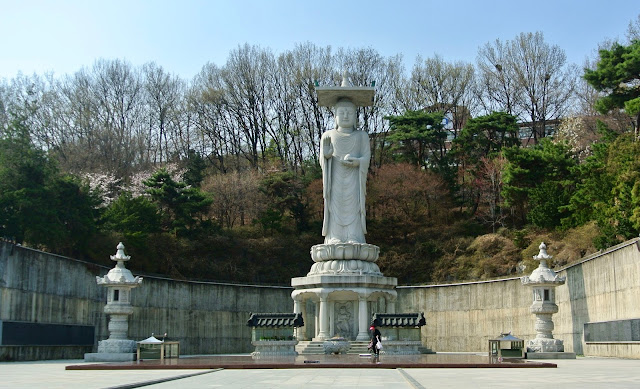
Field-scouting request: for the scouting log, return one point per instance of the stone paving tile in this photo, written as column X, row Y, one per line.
column 580, row 373
column 570, row 374
column 52, row 374
column 295, row 378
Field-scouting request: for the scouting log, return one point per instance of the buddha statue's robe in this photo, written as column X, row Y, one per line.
column 344, row 187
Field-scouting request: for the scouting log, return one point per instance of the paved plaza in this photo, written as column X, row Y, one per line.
column 584, row 372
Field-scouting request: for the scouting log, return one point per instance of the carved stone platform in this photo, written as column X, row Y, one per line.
column 401, row 347
column 543, row 345
column 358, row 251
column 113, row 350
column 559, row 355
column 343, row 266
column 274, row 348
column 109, row 357
column 336, row 346
column 345, row 258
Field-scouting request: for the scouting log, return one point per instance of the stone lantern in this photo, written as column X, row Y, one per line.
column 543, row 282
column 119, row 282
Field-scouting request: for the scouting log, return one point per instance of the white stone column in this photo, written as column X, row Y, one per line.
column 302, row 331
column 316, row 318
column 297, row 308
column 544, row 326
column 118, row 327
column 332, row 318
column 324, row 318
column 363, row 319
column 356, row 316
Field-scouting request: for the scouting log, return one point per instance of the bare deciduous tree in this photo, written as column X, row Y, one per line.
column 497, row 86
column 236, row 198
column 163, row 92
column 528, row 78
column 439, row 86
column 489, row 186
column 248, row 98
column 216, row 136
column 633, row 30
column 314, row 65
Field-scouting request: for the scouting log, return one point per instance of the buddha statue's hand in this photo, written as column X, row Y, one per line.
column 327, row 148
column 351, row 161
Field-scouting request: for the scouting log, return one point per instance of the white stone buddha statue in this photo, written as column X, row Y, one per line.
column 344, row 158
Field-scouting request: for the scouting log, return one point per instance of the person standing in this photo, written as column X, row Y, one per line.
column 375, row 339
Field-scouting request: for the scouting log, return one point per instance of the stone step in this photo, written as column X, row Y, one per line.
column 359, row 348
column 317, row 347
column 309, row 348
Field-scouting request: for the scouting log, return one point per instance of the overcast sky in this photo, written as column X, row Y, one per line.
column 181, row 36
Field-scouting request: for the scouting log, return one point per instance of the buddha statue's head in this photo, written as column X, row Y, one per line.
column 345, row 114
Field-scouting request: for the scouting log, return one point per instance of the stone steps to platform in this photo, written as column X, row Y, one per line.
column 306, row 347
column 317, row 347
column 425, row 350
column 358, row 348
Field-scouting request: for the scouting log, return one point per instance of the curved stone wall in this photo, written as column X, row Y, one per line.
column 207, row 318
column 602, row 287
column 210, row 318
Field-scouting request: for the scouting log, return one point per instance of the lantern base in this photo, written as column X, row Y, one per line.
column 109, row 357
column 545, row 348
column 113, row 350
column 558, row 355
column 545, row 345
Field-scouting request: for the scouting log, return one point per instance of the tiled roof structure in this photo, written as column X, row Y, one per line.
column 275, row 320
column 506, row 336
column 399, row 319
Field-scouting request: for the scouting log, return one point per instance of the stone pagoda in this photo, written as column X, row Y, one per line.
column 344, row 287
column 119, row 282
column 543, row 282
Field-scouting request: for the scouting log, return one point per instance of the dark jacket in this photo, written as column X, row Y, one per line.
column 375, row 335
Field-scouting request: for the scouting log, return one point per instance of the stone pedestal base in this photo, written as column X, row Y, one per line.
column 345, row 258
column 113, row 350
column 109, row 357
column 545, row 345
column 274, row 348
column 357, row 251
column 558, row 355
column 336, row 346
column 401, row 347
column 117, row 346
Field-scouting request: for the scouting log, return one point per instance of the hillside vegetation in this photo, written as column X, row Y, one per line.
column 217, row 178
